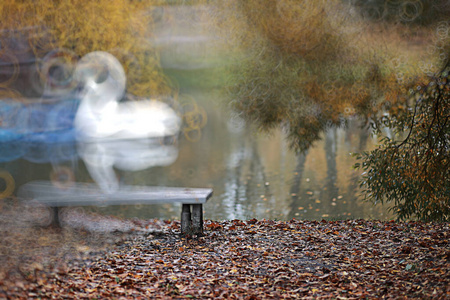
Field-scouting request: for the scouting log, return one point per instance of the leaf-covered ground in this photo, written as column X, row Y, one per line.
column 253, row 259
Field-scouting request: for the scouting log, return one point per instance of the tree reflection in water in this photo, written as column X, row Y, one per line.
column 254, row 175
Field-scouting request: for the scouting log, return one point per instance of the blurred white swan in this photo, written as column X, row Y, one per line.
column 102, row 116
column 101, row 158
column 126, row 135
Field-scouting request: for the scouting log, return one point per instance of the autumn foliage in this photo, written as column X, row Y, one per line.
column 305, row 66
column 237, row 259
column 121, row 27
column 411, row 169
column 308, row 66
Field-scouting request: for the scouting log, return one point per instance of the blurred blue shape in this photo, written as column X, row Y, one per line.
column 32, row 119
column 11, row 139
column 51, row 135
column 38, row 132
column 62, row 115
column 11, row 147
column 52, row 146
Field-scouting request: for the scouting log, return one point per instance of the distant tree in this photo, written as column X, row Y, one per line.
column 413, row 172
column 306, row 66
column 298, row 67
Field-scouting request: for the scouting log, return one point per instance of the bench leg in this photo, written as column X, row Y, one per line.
column 192, row 222
column 55, row 217
column 197, row 219
column 186, row 218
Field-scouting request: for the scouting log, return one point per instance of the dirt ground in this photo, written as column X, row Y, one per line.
column 100, row 257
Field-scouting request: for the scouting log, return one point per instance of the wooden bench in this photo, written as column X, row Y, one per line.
column 88, row 194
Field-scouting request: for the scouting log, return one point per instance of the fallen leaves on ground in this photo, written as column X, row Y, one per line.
column 253, row 259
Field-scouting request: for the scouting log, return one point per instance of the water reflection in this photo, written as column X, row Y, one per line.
column 267, row 180
column 253, row 175
column 335, row 199
column 101, row 158
column 244, row 171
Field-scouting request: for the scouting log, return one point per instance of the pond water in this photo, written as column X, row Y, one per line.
column 254, row 175
column 257, row 175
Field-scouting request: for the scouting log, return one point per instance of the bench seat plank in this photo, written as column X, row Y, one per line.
column 88, row 194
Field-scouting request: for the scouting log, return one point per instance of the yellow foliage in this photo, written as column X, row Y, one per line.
column 294, row 27
column 117, row 26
